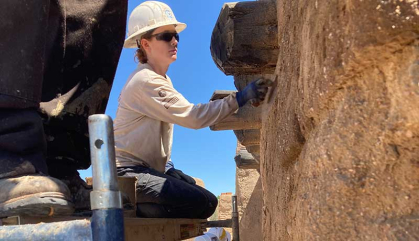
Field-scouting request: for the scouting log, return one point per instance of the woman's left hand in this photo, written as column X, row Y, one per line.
column 178, row 174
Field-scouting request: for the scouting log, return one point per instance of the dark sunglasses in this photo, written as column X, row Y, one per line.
column 166, row 36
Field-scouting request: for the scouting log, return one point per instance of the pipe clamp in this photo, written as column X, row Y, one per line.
column 105, row 199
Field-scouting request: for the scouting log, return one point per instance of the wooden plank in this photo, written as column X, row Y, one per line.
column 150, row 229
column 219, row 223
column 245, row 38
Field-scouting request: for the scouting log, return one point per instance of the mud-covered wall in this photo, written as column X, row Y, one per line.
column 340, row 140
column 249, row 202
column 225, row 206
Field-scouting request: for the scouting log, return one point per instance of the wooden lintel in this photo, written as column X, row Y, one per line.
column 254, row 149
column 245, row 118
column 248, row 137
column 245, row 160
column 220, row 94
column 245, row 38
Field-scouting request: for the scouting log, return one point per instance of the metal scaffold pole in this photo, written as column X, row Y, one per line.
column 107, row 219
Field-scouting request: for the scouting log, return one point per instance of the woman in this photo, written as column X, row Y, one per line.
column 149, row 105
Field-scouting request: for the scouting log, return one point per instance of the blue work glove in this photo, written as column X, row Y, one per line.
column 254, row 92
column 178, row 174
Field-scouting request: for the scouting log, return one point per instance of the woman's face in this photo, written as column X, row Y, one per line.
column 162, row 51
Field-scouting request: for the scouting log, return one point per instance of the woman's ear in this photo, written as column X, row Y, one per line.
column 145, row 44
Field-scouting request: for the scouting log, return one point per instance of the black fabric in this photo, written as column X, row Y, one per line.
column 65, row 54
column 21, row 140
column 79, row 72
column 23, row 27
column 163, row 196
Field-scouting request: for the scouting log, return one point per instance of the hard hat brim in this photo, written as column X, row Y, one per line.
column 130, row 42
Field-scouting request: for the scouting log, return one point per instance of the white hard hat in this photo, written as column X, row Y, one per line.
column 149, row 15
column 207, row 237
column 221, row 233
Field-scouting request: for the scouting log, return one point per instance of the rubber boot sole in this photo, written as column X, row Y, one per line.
column 45, row 204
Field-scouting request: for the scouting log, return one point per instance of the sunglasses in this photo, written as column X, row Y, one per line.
column 166, row 36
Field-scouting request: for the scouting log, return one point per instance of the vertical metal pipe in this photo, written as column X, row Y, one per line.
column 235, row 219
column 108, row 225
column 102, row 151
column 107, row 219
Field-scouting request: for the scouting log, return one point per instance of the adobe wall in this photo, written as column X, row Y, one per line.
column 340, row 141
column 249, row 204
column 224, row 206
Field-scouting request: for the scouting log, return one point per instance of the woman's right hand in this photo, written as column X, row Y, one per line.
column 254, row 92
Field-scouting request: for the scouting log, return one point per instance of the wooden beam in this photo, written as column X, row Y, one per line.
column 245, row 118
column 245, row 38
column 221, row 94
column 248, row 137
column 245, row 160
column 254, row 149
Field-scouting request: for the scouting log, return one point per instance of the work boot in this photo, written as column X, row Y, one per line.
column 34, row 195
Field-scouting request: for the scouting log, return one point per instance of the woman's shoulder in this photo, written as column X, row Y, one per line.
column 143, row 74
column 137, row 78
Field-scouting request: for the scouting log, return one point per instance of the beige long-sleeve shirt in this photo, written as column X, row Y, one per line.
column 148, row 108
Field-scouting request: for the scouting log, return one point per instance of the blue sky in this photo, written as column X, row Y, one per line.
column 203, row 153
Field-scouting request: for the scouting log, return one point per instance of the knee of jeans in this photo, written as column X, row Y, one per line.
column 206, row 203
column 209, row 200
column 208, row 210
column 210, row 205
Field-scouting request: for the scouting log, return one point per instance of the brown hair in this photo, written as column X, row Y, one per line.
column 140, row 54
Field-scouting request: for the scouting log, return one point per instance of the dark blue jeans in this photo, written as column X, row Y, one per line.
column 62, row 54
column 163, row 196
